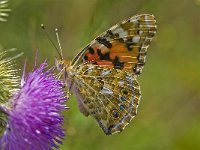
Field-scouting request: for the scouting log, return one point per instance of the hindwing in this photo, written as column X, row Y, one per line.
column 109, row 95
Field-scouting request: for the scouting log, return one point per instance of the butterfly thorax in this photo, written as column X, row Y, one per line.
column 67, row 70
column 69, row 74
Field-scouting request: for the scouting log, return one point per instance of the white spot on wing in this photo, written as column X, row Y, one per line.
column 123, row 34
column 106, row 90
column 121, row 83
column 117, row 30
column 90, row 69
column 105, row 72
column 134, row 21
column 129, row 78
column 136, row 39
column 140, row 32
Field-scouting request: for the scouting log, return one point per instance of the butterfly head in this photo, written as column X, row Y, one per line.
column 61, row 64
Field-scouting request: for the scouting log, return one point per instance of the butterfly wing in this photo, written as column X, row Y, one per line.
column 123, row 46
column 104, row 80
column 109, row 95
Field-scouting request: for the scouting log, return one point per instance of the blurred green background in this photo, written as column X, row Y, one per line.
column 169, row 112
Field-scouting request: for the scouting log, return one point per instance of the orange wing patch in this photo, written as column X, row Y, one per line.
column 121, row 51
column 118, row 56
column 123, row 46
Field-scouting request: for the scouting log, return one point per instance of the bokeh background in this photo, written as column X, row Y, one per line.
column 169, row 112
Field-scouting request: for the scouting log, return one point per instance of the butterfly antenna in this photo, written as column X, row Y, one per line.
column 58, row 39
column 42, row 26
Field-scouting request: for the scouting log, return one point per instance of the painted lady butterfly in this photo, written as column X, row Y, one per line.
column 103, row 75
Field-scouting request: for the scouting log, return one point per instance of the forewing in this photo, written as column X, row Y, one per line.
column 109, row 95
column 123, row 46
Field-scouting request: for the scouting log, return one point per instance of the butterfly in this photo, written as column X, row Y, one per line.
column 103, row 75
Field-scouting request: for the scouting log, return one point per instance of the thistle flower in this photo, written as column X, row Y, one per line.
column 4, row 10
column 34, row 121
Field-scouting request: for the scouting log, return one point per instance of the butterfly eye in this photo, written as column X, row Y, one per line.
column 60, row 66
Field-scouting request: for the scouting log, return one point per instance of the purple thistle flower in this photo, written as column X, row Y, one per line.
column 34, row 121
